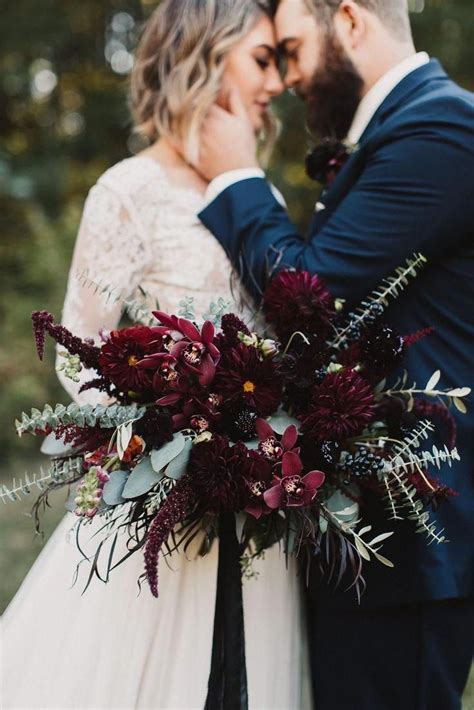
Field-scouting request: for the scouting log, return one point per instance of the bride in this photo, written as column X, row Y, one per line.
column 110, row 647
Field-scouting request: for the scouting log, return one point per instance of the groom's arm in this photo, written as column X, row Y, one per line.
column 415, row 194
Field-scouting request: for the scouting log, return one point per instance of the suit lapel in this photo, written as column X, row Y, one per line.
column 351, row 171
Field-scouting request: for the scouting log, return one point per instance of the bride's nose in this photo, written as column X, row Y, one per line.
column 273, row 82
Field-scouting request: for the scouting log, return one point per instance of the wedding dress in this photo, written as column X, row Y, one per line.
column 112, row 647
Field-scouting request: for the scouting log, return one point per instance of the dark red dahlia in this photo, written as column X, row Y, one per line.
column 216, row 474
column 242, row 377
column 297, row 301
column 121, row 354
column 155, row 427
column 340, row 407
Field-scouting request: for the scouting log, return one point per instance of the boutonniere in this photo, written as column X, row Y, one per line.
column 325, row 161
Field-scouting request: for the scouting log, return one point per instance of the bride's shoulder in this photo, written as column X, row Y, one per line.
column 130, row 175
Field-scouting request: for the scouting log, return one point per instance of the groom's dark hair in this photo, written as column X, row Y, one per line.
column 393, row 13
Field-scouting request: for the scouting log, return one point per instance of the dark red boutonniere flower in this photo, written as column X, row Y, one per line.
column 297, row 301
column 324, row 162
column 292, row 490
column 121, row 354
column 340, row 407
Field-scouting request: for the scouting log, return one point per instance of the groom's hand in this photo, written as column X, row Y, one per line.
column 228, row 140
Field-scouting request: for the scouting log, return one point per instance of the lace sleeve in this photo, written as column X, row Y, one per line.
column 111, row 251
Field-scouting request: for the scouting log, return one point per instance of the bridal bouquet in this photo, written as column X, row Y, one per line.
column 289, row 428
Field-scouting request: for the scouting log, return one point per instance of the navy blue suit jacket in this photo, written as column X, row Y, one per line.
column 408, row 188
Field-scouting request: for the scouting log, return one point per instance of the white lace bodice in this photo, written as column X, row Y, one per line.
column 138, row 229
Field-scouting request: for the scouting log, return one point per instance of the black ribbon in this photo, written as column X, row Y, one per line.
column 227, row 688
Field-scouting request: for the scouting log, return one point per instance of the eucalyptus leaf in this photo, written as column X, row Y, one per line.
column 252, row 445
column 124, row 434
column 113, row 489
column 361, row 549
column 56, row 447
column 460, row 406
column 381, row 537
column 281, row 421
column 460, row 392
column 141, row 480
column 178, row 466
column 383, row 560
column 433, row 381
column 169, row 451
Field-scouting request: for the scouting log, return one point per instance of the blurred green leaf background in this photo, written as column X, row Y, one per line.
column 63, row 120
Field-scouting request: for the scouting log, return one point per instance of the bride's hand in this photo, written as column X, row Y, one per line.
column 228, row 140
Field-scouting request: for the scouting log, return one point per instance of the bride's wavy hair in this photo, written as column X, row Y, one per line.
column 179, row 64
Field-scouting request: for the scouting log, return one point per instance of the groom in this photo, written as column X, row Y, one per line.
column 408, row 187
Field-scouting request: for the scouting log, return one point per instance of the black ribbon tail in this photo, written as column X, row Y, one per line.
column 227, row 688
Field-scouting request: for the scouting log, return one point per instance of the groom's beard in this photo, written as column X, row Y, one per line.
column 334, row 93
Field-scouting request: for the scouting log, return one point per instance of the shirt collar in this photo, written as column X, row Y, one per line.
column 379, row 92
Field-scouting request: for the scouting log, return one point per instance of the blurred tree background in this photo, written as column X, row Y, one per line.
column 63, row 121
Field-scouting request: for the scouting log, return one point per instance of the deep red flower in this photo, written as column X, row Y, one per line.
column 121, row 354
column 292, row 490
column 242, row 376
column 270, row 447
column 258, row 479
column 298, row 301
column 195, row 350
column 340, row 407
column 216, row 474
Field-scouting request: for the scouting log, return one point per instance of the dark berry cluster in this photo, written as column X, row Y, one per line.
column 364, row 463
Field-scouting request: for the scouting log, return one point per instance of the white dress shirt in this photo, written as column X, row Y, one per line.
column 368, row 105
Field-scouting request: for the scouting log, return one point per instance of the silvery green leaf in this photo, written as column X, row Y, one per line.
column 323, row 524
column 433, row 381
column 281, row 421
column 252, row 445
column 55, row 447
column 365, row 530
column 460, row 392
column 141, row 480
column 361, row 549
column 343, row 508
column 379, row 538
column 124, row 434
column 161, row 457
column 113, row 489
column 178, row 466
column 384, row 560
column 460, row 406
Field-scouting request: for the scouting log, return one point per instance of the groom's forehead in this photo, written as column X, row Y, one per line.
column 293, row 19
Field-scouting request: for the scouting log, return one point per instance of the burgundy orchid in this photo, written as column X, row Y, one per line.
column 196, row 350
column 258, row 479
column 269, row 445
column 293, row 490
